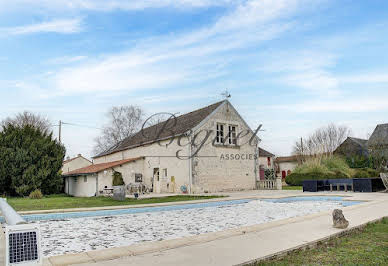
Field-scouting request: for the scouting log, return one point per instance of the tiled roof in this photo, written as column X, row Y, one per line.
column 172, row 127
column 96, row 168
column 264, row 153
column 293, row 158
column 379, row 136
column 361, row 142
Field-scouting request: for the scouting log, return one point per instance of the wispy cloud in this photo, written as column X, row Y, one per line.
column 304, row 69
column 64, row 60
column 64, row 26
column 376, row 76
column 339, row 105
column 109, row 5
column 189, row 58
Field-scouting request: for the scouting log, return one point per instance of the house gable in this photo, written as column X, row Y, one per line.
column 75, row 163
column 379, row 136
column 213, row 168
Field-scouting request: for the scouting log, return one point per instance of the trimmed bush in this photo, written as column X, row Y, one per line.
column 296, row 179
column 117, row 179
column 365, row 173
column 317, row 169
column 36, row 194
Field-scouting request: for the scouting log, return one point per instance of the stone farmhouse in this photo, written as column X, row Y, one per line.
column 353, row 147
column 376, row 146
column 207, row 150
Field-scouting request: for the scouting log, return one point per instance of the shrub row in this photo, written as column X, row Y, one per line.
column 327, row 168
column 296, row 179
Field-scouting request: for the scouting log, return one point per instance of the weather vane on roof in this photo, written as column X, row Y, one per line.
column 226, row 94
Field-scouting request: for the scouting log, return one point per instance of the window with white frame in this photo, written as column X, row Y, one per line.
column 220, row 133
column 232, row 135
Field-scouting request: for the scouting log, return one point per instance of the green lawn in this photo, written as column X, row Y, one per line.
column 292, row 188
column 368, row 247
column 65, row 202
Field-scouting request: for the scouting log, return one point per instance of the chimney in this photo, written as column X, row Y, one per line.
column 79, row 155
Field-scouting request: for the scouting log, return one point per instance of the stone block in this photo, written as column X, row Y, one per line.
column 339, row 220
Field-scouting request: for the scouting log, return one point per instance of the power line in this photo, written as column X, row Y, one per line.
column 78, row 125
column 70, row 124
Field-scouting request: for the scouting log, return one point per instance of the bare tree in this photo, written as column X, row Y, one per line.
column 28, row 118
column 324, row 141
column 123, row 122
column 158, row 118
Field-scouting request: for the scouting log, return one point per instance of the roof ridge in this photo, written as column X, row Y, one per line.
column 196, row 110
column 184, row 125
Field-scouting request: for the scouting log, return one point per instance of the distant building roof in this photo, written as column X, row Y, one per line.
column 352, row 147
column 72, row 159
column 96, row 168
column 264, row 153
column 362, row 142
column 292, row 158
column 379, row 136
column 174, row 127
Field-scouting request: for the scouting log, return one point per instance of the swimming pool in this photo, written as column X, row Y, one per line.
column 133, row 210
column 83, row 231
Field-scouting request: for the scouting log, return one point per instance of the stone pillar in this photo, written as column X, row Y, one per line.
column 279, row 183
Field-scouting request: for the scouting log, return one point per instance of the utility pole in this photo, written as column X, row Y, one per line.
column 301, row 144
column 302, row 149
column 60, row 131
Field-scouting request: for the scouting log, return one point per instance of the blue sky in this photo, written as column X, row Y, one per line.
column 290, row 65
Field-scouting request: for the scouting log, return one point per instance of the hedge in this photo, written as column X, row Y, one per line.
column 296, row 179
